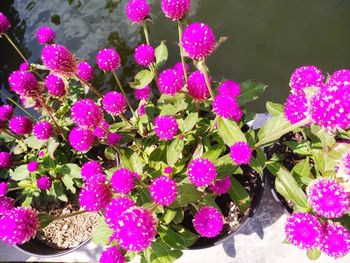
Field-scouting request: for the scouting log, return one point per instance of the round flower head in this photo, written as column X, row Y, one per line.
column 230, row 88
column 240, row 153
column 179, row 68
column 45, row 35
column 5, row 160
column 6, row 112
column 115, row 209
column 81, row 140
column 94, row 197
column 296, row 108
column 55, row 85
column 208, row 221
column 222, row 186
column 113, row 138
column 33, row 166
column 340, row 76
column 143, row 94
column 123, row 181
column 165, row 127
column 85, row 71
column 24, row 66
column 335, row 241
column 44, row 183
column 137, row 10
column 3, row 189
column 92, row 172
column 175, row 9
column 4, row 23
column 170, row 81
column 43, row 130
column 102, row 130
column 328, row 198
column 142, row 110
column 136, row 229
column 18, row 225
column 303, row 230
column 108, row 59
column 197, row 87
column 86, row 114
column 21, row 125
column 144, row 55
column 163, row 190
column 24, row 84
column 201, row 172
column 112, row 255
column 114, row 103
column 168, row 170
column 304, row 77
column 59, row 59
column 227, row 107
column 6, row 203
column 198, row 40
column 41, row 153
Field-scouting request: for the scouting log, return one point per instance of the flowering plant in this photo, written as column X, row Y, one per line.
column 153, row 173
column 311, row 159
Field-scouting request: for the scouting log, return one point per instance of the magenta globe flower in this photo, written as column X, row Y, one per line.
column 4, row 23
column 175, row 9
column 95, row 197
column 198, row 40
column 328, row 198
column 240, row 153
column 335, row 240
column 136, row 229
column 45, row 35
column 44, row 183
column 5, row 160
column 85, row 71
column 81, row 140
column 59, row 59
column 3, row 189
column 55, row 85
column 86, row 114
column 168, row 170
column 163, row 190
column 144, row 55
column 6, row 203
column 143, row 94
column 24, row 66
column 24, row 84
column 208, row 221
column 108, row 59
column 230, row 88
column 6, row 112
column 197, row 86
column 170, row 81
column 296, row 108
column 102, row 130
column 112, row 255
column 43, row 130
column 201, row 172
column 123, row 181
column 222, row 186
column 113, row 138
column 165, row 127
column 33, row 166
column 303, row 230
column 137, row 10
column 306, row 77
column 92, row 172
column 115, row 209
column 227, row 107
column 339, row 77
column 21, row 125
column 18, row 225
column 114, row 103
column 179, row 68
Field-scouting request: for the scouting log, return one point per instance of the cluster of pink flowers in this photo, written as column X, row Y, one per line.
column 92, row 172
column 143, row 94
column 115, row 209
column 95, row 196
column 6, row 112
column 114, row 103
column 201, row 172
column 112, row 255
column 165, row 127
column 230, row 88
column 3, row 189
column 227, row 107
column 208, row 221
column 6, row 203
column 85, row 71
column 44, row 183
column 80, row 139
column 123, row 181
column 222, row 186
column 33, row 166
column 24, row 84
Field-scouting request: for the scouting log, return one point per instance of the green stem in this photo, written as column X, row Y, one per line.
column 16, row 104
column 207, row 81
column 70, row 215
column 122, row 90
column 18, row 188
column 179, row 27
column 15, row 47
column 90, row 86
column 145, row 31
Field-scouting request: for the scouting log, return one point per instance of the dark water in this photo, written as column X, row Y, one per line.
column 267, row 39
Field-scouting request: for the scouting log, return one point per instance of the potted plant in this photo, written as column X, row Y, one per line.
column 307, row 147
column 177, row 171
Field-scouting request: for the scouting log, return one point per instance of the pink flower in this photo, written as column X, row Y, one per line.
column 170, row 81
column 296, row 108
column 179, row 68
column 86, row 114
column 168, row 170
column 45, row 35
column 165, row 127
column 3, row 189
column 108, row 59
column 136, row 229
column 85, row 71
column 241, row 153
column 201, row 172
column 6, row 203
column 4, row 23
column 24, row 66
column 43, row 130
column 112, row 255
column 41, row 153
column 44, row 183
column 142, row 110
column 102, row 130
column 18, row 225
column 144, row 55
column 137, row 10
column 175, row 9
column 81, row 140
column 115, row 209
column 33, row 166
column 227, row 107
column 92, row 172
column 114, row 103
column 208, row 221
column 21, row 125
column 143, row 94
column 230, row 88
column 198, row 40
column 339, row 77
column 306, row 77
column 113, row 138
column 24, row 84
column 123, row 181
column 197, row 87
column 222, row 186
column 163, row 190
column 5, row 160
column 303, row 230
column 55, row 85
column 59, row 59
column 6, row 112
column 94, row 197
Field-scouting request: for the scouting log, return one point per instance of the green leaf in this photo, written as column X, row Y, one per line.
column 230, row 132
column 275, row 109
column 239, row 195
column 161, row 54
column 299, row 147
column 136, row 162
column 169, row 215
column 59, row 191
column 301, row 172
column 281, row 189
column 20, row 148
column 158, row 253
column 187, row 193
column 34, row 143
column 102, row 233
column 27, row 201
column 190, row 121
column 110, row 153
column 174, row 151
column 142, row 79
column 214, row 153
column 179, row 216
column 68, row 182
column 175, row 239
column 45, row 220
column 313, row 254
column 20, row 173
column 71, row 169
column 250, row 91
column 52, row 146
column 257, row 166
